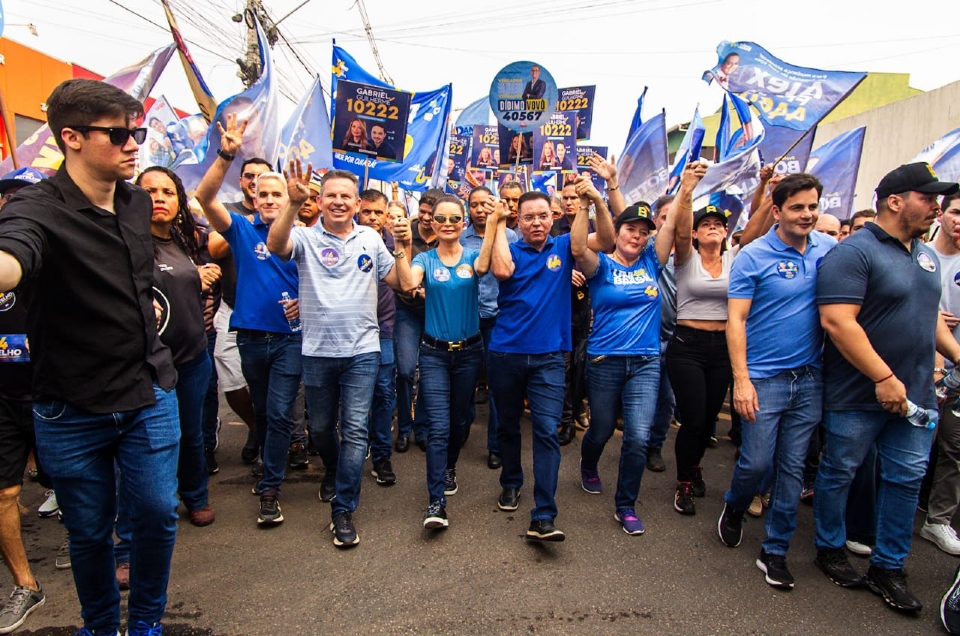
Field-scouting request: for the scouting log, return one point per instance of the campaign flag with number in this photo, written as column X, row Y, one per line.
column 689, row 150
column 305, row 135
column 637, row 120
column 201, row 92
column 786, row 95
column 643, row 166
column 370, row 120
column 943, row 155
column 578, row 101
column 40, row 151
column 836, row 163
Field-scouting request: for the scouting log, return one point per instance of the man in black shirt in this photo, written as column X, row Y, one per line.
column 103, row 382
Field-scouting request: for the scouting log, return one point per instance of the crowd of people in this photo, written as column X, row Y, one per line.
column 319, row 310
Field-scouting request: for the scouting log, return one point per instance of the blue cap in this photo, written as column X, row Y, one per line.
column 19, row 178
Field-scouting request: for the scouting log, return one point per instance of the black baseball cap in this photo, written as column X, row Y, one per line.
column 914, row 177
column 639, row 211
column 710, row 210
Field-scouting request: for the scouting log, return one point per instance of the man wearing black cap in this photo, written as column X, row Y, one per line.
column 878, row 293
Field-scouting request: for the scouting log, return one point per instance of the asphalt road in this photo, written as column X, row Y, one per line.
column 480, row 576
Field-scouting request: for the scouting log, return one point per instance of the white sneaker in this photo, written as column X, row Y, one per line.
column 943, row 536
column 858, row 548
column 50, row 506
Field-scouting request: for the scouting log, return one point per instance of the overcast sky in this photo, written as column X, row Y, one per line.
column 619, row 45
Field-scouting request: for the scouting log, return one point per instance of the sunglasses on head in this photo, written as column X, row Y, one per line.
column 441, row 219
column 118, row 134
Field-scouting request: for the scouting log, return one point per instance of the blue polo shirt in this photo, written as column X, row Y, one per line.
column 783, row 326
column 535, row 302
column 489, row 285
column 626, row 306
column 452, row 312
column 899, row 295
column 261, row 278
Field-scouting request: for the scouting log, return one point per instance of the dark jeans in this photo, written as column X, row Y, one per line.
column 384, row 400
column 666, row 405
column 447, row 382
column 272, row 366
column 407, row 331
column 539, row 378
column 699, row 369
column 211, row 399
column 486, row 328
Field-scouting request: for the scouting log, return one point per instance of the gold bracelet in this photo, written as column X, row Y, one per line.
column 684, row 207
column 613, row 188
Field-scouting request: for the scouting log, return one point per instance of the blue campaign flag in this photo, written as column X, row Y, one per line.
column 642, row 167
column 739, row 159
column 786, row 95
column 637, row 120
column 943, row 155
column 689, row 149
column 836, row 163
column 476, row 114
column 428, row 133
column 306, row 135
column 777, row 140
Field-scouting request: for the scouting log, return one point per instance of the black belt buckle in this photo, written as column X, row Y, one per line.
column 455, row 346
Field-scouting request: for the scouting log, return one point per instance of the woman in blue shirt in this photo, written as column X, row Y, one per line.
column 451, row 350
column 623, row 351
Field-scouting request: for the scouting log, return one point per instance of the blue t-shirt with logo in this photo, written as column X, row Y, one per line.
column 626, row 307
column 261, row 278
column 535, row 301
column 783, row 326
column 453, row 311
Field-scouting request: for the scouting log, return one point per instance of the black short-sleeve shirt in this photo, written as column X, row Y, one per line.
column 91, row 325
column 899, row 294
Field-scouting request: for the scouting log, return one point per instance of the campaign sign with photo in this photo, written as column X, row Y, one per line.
column 370, row 120
column 522, row 95
column 579, row 101
column 583, row 165
column 514, row 144
column 457, row 157
column 554, row 144
column 521, row 174
column 486, row 148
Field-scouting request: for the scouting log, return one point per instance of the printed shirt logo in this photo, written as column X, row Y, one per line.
column 329, row 256
column 637, row 277
column 364, row 263
column 924, row 261
column 261, row 251
column 554, row 263
column 465, row 271
column 441, row 274
column 7, row 301
column 787, row 269
column 14, row 348
column 956, row 281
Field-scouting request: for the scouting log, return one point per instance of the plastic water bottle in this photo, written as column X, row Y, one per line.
column 921, row 417
column 947, row 383
column 295, row 325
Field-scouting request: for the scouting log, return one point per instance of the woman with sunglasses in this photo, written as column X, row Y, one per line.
column 451, row 350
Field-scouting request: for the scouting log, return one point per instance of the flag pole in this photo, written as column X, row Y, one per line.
column 794, row 145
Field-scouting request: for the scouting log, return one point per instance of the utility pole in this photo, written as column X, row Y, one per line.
column 373, row 42
column 250, row 67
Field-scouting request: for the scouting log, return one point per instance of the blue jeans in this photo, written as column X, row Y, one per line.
column 341, row 389
column 666, row 405
column 211, row 399
column 192, row 379
column 79, row 450
column 902, row 451
column 790, row 409
column 384, row 399
column 540, row 379
column 407, row 331
column 630, row 381
column 447, row 382
column 272, row 368
column 486, row 328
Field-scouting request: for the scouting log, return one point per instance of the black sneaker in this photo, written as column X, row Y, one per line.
column 22, row 601
column 698, row 486
column 270, row 514
column 892, row 586
column 344, row 534
column 544, row 530
column 436, row 517
column 950, row 606
column 509, row 499
column 328, row 486
column 257, row 470
column 834, row 563
column 297, row 456
column 683, row 499
column 250, row 452
column 730, row 528
column 450, row 481
column 211, row 460
column 774, row 567
column 655, row 461
column 383, row 471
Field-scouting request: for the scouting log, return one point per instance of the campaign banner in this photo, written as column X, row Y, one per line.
column 791, row 96
column 485, row 150
column 306, row 136
column 513, row 146
column 457, row 156
column 738, row 162
column 158, row 149
column 583, row 165
column 521, row 174
column 836, row 163
column 642, row 170
column 943, row 155
column 554, row 144
column 579, row 101
column 522, row 95
column 688, row 151
column 201, row 92
column 777, row 140
column 370, row 120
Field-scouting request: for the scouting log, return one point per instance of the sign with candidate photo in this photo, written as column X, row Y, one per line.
column 485, row 154
column 370, row 120
column 583, row 165
column 522, row 95
column 578, row 100
column 515, row 147
column 554, row 144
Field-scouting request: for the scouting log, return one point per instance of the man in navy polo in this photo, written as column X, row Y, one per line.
column 527, row 345
column 778, row 387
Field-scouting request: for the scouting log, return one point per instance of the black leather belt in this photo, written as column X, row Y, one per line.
column 253, row 333
column 436, row 343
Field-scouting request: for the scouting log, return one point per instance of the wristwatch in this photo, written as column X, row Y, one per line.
column 226, row 156
column 399, row 254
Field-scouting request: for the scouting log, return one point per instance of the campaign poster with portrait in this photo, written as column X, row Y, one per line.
column 370, row 120
column 583, row 165
column 554, row 144
column 159, row 149
column 521, row 174
column 514, row 145
column 485, row 153
column 579, row 101
column 522, row 95
column 457, row 156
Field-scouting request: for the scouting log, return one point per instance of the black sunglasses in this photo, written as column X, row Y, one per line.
column 440, row 219
column 118, row 134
